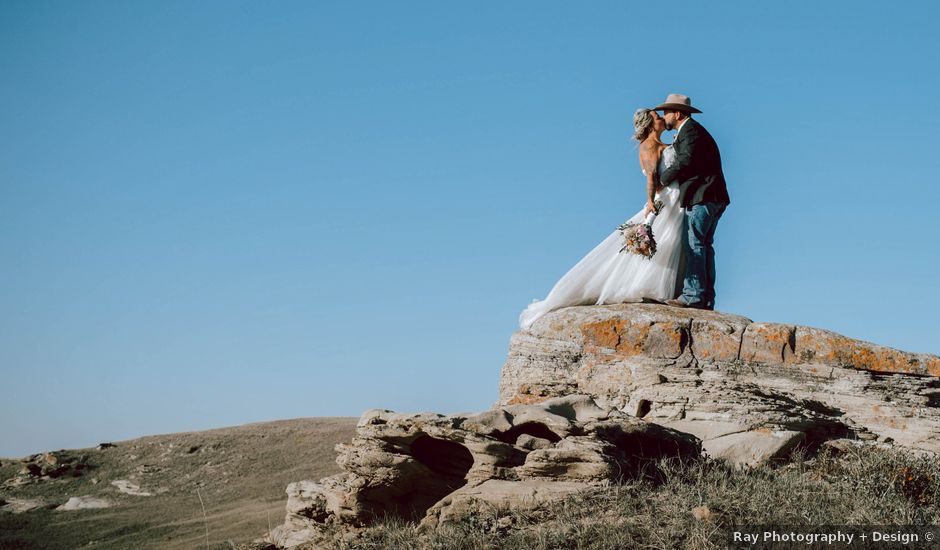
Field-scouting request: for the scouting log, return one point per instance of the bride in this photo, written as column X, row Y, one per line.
column 607, row 275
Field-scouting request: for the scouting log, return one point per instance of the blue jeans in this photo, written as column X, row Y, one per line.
column 698, row 288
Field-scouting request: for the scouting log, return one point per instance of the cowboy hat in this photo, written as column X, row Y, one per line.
column 677, row 102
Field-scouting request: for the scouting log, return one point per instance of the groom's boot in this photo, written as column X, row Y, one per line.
column 678, row 302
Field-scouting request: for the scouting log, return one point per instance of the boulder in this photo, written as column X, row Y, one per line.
column 20, row 505
column 428, row 467
column 130, row 488
column 84, row 503
column 53, row 465
column 753, row 447
column 497, row 495
column 715, row 375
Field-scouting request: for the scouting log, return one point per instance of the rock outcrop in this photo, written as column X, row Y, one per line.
column 750, row 391
column 428, row 467
column 592, row 395
column 84, row 503
column 47, row 466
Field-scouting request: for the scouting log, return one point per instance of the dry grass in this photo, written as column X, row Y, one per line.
column 860, row 487
column 225, row 485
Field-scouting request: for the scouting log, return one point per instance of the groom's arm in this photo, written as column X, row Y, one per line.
column 681, row 169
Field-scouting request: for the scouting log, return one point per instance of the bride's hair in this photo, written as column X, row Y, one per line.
column 642, row 122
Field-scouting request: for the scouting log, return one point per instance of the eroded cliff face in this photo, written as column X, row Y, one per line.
column 726, row 379
column 430, row 468
column 596, row 394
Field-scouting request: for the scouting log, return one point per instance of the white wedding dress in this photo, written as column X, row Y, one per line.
column 608, row 276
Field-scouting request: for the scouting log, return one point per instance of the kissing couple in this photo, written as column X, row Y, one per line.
column 686, row 195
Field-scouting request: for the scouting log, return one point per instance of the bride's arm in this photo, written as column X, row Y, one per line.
column 649, row 158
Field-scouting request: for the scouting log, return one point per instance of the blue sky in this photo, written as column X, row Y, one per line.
column 214, row 213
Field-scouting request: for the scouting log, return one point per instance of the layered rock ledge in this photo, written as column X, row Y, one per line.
column 596, row 394
column 749, row 391
column 430, row 468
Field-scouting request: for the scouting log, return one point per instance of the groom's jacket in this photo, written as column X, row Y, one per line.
column 697, row 168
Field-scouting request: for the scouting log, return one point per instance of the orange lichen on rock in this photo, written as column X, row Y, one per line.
column 767, row 343
column 889, row 421
column 605, row 334
column 879, row 359
column 666, row 339
column 619, row 336
column 931, row 365
column 528, row 399
column 821, row 346
column 715, row 341
column 527, row 395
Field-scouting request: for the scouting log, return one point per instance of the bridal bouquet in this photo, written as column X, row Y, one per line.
column 638, row 237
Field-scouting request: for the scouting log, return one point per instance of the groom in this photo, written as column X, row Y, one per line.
column 697, row 170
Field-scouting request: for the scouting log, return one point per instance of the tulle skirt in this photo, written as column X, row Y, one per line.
column 608, row 276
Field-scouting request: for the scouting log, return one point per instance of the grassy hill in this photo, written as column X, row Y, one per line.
column 239, row 473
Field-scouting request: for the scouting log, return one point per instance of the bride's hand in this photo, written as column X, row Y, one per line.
column 650, row 207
